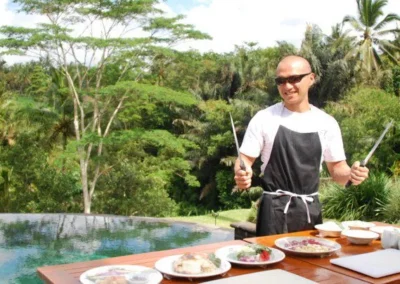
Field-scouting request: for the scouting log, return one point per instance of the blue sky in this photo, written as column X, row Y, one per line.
column 179, row 5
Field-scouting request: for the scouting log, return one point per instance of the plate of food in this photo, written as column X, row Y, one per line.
column 124, row 274
column 250, row 254
column 307, row 246
column 192, row 265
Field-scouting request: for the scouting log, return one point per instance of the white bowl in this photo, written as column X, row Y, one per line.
column 357, row 225
column 329, row 229
column 379, row 229
column 360, row 237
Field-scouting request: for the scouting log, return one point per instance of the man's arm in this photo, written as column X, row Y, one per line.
column 342, row 173
column 243, row 178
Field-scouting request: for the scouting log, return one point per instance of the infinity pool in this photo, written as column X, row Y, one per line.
column 28, row 241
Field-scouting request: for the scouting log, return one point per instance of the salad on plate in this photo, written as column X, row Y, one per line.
column 252, row 253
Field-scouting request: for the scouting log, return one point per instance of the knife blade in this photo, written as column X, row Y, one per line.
column 242, row 165
column 364, row 162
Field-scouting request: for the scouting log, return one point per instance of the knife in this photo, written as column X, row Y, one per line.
column 242, row 165
column 364, row 162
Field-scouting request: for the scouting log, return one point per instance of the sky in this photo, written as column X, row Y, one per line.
column 234, row 22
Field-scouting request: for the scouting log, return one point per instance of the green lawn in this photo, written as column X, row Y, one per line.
column 224, row 218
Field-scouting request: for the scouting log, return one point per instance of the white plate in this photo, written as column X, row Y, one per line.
column 357, row 225
column 165, row 266
column 228, row 253
column 288, row 244
column 131, row 272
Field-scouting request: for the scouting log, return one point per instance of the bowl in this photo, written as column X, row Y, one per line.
column 357, row 225
column 329, row 229
column 379, row 229
column 360, row 237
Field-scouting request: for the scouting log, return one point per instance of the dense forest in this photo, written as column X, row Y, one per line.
column 103, row 121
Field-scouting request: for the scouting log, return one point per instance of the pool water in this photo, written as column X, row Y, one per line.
column 28, row 241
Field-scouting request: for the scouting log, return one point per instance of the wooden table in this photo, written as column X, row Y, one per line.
column 317, row 269
column 347, row 249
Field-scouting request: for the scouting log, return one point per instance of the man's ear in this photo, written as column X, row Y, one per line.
column 313, row 79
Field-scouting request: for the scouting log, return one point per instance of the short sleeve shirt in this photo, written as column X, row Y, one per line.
column 262, row 129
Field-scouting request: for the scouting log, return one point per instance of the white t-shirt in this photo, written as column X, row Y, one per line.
column 262, row 129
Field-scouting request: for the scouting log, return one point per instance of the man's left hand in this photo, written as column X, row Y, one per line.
column 358, row 174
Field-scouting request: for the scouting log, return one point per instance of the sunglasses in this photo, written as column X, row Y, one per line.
column 291, row 79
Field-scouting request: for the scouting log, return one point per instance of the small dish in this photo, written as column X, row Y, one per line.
column 360, row 237
column 329, row 229
column 379, row 229
column 357, row 225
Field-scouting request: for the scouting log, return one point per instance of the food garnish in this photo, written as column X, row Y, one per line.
column 253, row 253
column 308, row 245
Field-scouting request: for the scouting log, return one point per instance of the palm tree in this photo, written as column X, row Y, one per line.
column 372, row 29
column 339, row 42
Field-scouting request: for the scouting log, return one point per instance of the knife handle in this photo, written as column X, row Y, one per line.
column 362, row 164
column 242, row 165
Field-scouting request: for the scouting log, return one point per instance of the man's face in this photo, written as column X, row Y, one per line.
column 294, row 79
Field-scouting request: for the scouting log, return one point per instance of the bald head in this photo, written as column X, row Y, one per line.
column 293, row 62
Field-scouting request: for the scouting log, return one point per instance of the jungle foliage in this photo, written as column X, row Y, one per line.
column 139, row 128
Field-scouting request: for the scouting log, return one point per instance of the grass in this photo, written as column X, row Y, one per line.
column 223, row 220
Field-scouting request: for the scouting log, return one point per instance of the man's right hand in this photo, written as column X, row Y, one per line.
column 243, row 178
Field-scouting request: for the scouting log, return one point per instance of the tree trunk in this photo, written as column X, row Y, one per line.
column 84, row 180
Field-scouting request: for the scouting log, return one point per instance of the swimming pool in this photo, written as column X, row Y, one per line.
column 28, row 241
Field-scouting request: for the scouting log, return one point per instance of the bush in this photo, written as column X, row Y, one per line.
column 252, row 217
column 362, row 116
column 363, row 202
column 254, row 193
column 391, row 211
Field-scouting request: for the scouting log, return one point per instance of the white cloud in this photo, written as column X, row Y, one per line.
column 5, row 15
column 233, row 22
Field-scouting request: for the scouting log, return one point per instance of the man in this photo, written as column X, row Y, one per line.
column 293, row 138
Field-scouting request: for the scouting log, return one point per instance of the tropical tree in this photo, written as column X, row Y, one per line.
column 373, row 33
column 102, row 31
column 325, row 54
column 362, row 114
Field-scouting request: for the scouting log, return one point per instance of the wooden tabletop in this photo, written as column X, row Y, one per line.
column 316, row 269
column 347, row 249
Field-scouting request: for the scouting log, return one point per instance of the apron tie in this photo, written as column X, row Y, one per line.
column 305, row 197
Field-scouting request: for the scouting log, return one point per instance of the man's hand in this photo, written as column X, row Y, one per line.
column 358, row 174
column 243, row 178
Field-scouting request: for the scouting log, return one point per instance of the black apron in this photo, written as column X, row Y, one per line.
column 293, row 168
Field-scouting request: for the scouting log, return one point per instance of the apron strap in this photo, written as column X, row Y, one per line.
column 305, row 197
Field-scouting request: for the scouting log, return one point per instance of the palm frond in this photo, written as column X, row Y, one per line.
column 207, row 189
column 388, row 19
column 389, row 54
column 387, row 32
column 353, row 22
column 228, row 161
